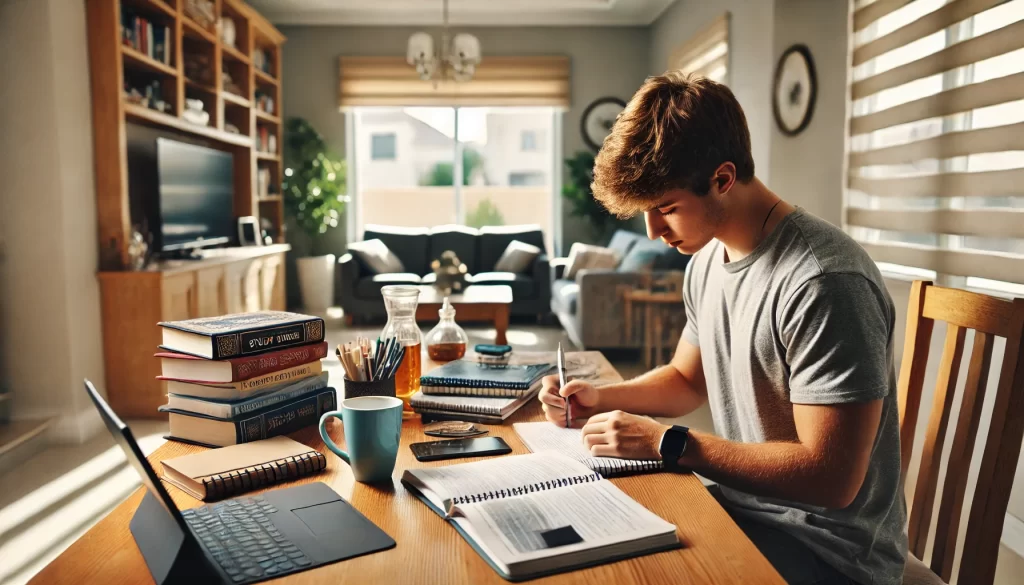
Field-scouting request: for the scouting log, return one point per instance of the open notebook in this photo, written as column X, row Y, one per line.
column 541, row 437
column 538, row 514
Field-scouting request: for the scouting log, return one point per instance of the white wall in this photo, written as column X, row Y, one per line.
column 750, row 70
column 50, row 336
column 818, row 187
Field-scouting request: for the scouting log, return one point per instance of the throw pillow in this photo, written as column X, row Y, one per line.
column 376, row 256
column 517, row 257
column 640, row 259
column 586, row 256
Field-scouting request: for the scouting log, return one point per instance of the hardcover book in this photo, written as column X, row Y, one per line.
column 234, row 408
column 182, row 366
column 279, row 419
column 245, row 387
column 241, row 334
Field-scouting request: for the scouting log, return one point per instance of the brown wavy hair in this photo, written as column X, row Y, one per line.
column 674, row 133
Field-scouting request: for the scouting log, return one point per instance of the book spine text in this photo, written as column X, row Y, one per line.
column 286, row 418
column 257, row 341
column 246, row 368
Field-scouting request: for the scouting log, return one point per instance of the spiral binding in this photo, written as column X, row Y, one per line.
column 473, row 391
column 460, row 408
column 623, row 466
column 528, row 489
column 238, row 481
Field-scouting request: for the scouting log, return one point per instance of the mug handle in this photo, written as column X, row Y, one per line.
column 327, row 438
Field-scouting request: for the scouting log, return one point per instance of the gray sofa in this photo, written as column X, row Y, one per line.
column 357, row 288
column 590, row 306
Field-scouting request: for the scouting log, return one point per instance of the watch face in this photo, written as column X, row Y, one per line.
column 673, row 444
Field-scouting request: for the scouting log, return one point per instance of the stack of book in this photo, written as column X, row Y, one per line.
column 478, row 392
column 244, row 377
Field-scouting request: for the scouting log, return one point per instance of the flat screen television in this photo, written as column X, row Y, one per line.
column 196, row 194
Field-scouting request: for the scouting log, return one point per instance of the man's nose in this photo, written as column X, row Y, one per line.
column 655, row 227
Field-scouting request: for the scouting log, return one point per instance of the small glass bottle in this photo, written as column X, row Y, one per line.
column 401, row 302
column 447, row 341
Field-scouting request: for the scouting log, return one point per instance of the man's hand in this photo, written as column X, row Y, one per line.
column 624, row 435
column 584, row 400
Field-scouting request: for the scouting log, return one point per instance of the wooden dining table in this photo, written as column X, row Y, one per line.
column 429, row 550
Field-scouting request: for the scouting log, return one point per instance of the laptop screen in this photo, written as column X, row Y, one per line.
column 124, row 438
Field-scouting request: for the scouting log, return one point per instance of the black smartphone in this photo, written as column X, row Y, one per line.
column 490, row 349
column 455, row 448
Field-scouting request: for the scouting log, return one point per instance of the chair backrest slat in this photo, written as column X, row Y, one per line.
column 998, row 465
column 912, row 370
column 948, row 525
column 989, row 317
column 931, row 457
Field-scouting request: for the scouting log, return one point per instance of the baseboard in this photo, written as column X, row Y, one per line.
column 1013, row 534
column 76, row 427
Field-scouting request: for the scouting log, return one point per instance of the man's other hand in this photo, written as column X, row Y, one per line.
column 552, row 397
column 624, row 435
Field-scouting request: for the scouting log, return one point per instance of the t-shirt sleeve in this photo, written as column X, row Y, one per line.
column 690, row 329
column 835, row 330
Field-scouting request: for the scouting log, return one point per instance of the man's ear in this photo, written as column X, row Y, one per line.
column 724, row 177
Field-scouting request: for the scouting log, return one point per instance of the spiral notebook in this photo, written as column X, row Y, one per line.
column 220, row 473
column 474, row 375
column 499, row 408
column 541, row 437
column 533, row 515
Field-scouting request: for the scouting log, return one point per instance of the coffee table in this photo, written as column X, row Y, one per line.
column 479, row 302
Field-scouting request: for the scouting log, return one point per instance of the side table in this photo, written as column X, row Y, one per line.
column 663, row 313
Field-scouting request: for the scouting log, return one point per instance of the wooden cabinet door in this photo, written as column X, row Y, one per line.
column 270, row 276
column 211, row 297
column 234, row 286
column 251, row 287
column 178, row 297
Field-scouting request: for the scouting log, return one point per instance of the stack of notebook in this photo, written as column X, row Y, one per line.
column 477, row 392
column 244, row 377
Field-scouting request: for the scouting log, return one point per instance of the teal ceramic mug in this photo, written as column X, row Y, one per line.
column 373, row 427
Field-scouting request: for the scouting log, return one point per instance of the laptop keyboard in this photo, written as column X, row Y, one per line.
column 243, row 540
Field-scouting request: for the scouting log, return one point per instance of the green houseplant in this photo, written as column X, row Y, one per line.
column 314, row 197
column 578, row 193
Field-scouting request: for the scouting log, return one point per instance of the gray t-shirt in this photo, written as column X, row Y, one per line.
column 804, row 319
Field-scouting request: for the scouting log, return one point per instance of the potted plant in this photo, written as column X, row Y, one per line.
column 314, row 196
column 581, row 198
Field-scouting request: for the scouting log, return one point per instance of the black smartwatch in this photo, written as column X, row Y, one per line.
column 673, row 445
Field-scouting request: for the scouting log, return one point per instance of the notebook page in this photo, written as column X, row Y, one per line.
column 542, row 437
column 510, row 530
column 442, row 484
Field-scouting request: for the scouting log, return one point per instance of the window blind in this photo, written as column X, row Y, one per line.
column 706, row 53
column 498, row 81
column 936, row 150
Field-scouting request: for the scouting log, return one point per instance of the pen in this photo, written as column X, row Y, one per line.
column 561, row 384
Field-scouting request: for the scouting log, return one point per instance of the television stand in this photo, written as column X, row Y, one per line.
column 184, row 254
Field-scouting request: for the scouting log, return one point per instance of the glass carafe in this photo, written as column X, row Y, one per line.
column 401, row 303
column 447, row 341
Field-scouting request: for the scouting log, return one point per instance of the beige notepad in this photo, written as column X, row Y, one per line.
column 224, row 472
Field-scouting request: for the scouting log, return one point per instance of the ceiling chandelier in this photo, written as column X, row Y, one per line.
column 456, row 60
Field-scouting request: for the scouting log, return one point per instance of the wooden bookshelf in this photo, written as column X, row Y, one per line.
column 114, row 64
column 229, row 280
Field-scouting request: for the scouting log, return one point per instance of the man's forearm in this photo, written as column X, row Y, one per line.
column 660, row 392
column 788, row 471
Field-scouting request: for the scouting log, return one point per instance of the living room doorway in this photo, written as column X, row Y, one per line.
column 476, row 166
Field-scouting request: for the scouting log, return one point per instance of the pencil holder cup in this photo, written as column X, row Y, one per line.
column 383, row 387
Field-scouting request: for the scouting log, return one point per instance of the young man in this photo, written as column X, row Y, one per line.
column 789, row 338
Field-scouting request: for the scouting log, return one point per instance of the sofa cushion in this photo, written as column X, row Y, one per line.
column 564, row 294
column 409, row 244
column 624, row 240
column 518, row 257
column 460, row 239
column 639, row 259
column 375, row 257
column 586, row 256
column 495, row 239
column 522, row 285
column 369, row 287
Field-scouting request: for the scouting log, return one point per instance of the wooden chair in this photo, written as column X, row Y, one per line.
column 988, row 317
